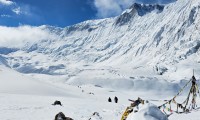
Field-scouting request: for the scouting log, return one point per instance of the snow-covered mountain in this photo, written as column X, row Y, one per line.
column 149, row 51
column 144, row 39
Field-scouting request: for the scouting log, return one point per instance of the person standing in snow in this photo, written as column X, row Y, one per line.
column 109, row 99
column 116, row 99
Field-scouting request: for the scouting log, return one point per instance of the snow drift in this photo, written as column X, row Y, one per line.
column 148, row 112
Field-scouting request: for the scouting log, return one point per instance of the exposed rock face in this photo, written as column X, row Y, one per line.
column 137, row 9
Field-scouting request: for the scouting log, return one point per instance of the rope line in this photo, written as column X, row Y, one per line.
column 177, row 94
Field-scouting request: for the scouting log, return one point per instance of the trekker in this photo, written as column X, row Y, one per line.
column 116, row 99
column 109, row 99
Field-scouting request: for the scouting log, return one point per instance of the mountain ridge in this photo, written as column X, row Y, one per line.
column 158, row 40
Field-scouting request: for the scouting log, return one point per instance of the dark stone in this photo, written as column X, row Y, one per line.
column 61, row 116
column 57, row 103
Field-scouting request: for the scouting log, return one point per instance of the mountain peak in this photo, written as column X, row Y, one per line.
column 143, row 9
column 144, row 35
column 138, row 9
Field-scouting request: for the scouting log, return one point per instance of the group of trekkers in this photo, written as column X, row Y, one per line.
column 115, row 99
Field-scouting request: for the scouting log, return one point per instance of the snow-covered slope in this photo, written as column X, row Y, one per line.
column 148, row 51
column 13, row 82
column 24, row 98
column 145, row 40
column 148, row 112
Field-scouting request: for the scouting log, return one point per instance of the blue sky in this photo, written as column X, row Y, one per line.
column 61, row 12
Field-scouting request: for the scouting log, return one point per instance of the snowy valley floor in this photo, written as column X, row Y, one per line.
column 24, row 98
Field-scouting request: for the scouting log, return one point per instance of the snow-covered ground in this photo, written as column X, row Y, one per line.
column 25, row 97
column 149, row 51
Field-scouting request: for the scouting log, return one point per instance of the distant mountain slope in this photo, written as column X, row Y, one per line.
column 154, row 37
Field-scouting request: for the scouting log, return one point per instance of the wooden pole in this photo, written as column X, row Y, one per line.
column 193, row 72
